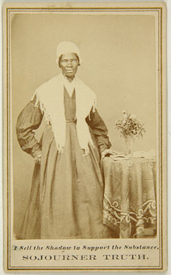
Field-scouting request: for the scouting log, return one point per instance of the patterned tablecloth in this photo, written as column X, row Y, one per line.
column 129, row 206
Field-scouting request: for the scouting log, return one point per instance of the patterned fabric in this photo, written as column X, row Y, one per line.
column 130, row 196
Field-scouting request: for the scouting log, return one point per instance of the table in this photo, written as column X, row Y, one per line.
column 129, row 205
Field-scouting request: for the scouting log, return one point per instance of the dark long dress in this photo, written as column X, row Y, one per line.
column 67, row 188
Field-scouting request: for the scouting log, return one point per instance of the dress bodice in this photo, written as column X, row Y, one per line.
column 70, row 106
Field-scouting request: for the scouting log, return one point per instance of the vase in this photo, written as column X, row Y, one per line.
column 129, row 142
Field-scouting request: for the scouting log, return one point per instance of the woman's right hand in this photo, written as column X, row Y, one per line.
column 37, row 155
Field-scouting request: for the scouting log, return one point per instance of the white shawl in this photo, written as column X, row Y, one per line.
column 50, row 99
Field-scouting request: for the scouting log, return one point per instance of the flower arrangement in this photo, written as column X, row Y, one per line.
column 130, row 126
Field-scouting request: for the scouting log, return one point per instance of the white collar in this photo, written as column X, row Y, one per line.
column 69, row 85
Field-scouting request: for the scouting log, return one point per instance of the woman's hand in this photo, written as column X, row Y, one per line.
column 112, row 154
column 106, row 153
column 37, row 156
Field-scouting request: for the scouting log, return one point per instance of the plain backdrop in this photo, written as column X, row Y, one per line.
column 113, row 95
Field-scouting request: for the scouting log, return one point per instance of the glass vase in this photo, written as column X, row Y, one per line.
column 129, row 142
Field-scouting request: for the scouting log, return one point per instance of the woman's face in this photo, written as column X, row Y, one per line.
column 69, row 64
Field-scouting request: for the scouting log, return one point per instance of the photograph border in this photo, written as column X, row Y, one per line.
column 133, row 6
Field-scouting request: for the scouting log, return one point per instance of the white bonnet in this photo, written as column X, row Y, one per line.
column 65, row 47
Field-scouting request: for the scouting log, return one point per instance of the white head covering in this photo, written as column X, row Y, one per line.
column 65, row 47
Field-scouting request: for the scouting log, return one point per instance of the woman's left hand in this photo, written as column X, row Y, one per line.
column 106, row 153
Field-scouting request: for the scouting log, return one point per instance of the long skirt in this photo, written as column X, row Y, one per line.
column 66, row 197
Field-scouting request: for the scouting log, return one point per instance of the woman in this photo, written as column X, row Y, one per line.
column 67, row 188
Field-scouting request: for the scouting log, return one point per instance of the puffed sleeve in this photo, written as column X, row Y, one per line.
column 98, row 130
column 29, row 120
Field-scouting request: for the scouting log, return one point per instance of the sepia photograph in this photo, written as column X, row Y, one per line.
column 85, row 136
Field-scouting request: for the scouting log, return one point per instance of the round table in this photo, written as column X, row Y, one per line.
column 129, row 205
